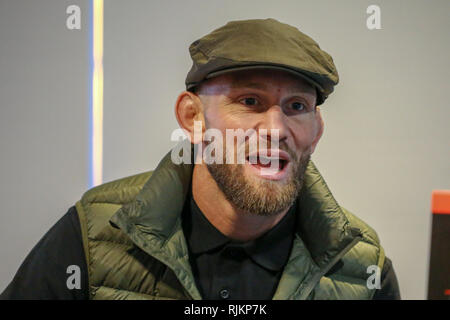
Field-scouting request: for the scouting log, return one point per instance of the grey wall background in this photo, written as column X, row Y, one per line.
column 43, row 123
column 385, row 147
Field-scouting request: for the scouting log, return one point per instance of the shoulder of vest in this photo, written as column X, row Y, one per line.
column 368, row 233
column 118, row 191
column 350, row 278
column 117, row 268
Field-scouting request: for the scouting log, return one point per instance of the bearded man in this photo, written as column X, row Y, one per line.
column 224, row 229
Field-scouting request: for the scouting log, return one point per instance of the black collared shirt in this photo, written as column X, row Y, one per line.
column 226, row 269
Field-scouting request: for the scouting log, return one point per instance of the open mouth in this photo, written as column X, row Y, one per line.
column 271, row 164
column 267, row 162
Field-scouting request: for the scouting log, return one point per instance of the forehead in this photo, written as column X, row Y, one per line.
column 262, row 79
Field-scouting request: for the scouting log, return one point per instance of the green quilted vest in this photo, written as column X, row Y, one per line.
column 135, row 247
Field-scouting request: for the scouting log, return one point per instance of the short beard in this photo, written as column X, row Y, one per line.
column 259, row 197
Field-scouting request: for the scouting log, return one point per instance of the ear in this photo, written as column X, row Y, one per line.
column 320, row 127
column 188, row 110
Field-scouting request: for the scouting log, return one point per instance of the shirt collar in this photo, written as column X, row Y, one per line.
column 201, row 235
column 271, row 250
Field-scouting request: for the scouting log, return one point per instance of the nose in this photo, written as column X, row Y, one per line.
column 274, row 118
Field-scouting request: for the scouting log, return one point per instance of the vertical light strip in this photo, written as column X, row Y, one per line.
column 97, row 94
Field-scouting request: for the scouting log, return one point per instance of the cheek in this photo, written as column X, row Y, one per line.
column 213, row 119
column 304, row 135
column 222, row 120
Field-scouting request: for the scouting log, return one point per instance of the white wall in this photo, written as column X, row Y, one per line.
column 386, row 144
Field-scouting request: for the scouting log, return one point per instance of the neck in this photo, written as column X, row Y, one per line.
column 230, row 221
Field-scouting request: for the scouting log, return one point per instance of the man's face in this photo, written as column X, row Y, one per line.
column 262, row 99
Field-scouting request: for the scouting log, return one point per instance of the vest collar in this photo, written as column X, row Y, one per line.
column 153, row 219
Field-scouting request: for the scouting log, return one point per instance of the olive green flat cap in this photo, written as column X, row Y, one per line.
column 262, row 43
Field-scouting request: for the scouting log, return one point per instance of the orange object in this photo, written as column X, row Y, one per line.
column 440, row 202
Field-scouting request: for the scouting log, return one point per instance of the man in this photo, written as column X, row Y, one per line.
column 223, row 230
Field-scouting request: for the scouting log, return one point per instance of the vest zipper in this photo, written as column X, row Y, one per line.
column 316, row 278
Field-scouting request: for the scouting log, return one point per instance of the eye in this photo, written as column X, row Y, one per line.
column 298, row 106
column 249, row 101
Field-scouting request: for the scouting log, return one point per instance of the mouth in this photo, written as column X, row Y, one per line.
column 269, row 164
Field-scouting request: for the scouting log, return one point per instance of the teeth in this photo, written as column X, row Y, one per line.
column 262, row 159
column 266, row 160
column 253, row 160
